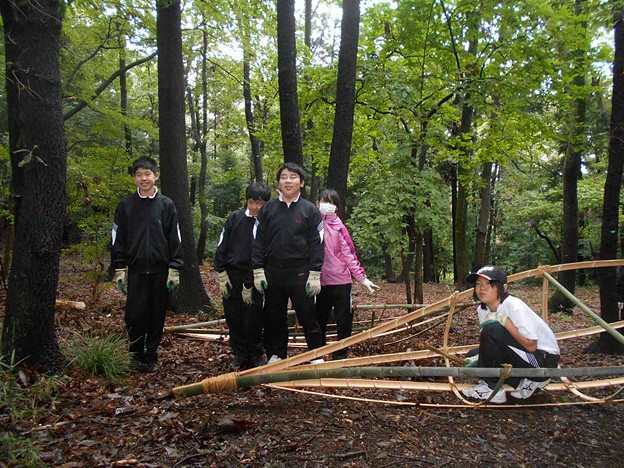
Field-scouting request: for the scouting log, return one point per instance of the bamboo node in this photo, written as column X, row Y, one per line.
column 221, row 383
column 541, row 269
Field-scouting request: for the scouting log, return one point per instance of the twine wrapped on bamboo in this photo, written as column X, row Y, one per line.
column 232, row 381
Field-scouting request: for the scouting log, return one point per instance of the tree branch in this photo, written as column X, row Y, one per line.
column 83, row 103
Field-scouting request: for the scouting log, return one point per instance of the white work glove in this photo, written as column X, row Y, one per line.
column 173, row 279
column 225, row 285
column 121, row 279
column 313, row 285
column 494, row 317
column 368, row 284
column 260, row 281
column 247, row 295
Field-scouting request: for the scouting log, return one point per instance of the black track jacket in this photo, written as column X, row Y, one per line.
column 234, row 249
column 146, row 235
column 289, row 236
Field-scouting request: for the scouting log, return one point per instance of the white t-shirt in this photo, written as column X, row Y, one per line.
column 529, row 324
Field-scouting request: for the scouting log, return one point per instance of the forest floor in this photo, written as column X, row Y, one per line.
column 93, row 422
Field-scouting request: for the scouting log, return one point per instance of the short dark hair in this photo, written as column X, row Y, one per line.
column 292, row 167
column 258, row 191
column 331, row 196
column 144, row 163
column 502, row 294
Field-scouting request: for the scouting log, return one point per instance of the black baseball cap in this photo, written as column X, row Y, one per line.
column 488, row 272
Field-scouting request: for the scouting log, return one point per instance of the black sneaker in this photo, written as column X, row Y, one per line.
column 238, row 363
column 137, row 365
column 256, row 362
column 151, row 368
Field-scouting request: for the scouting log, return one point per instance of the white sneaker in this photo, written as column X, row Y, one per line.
column 317, row 361
column 527, row 387
column 274, row 358
column 481, row 391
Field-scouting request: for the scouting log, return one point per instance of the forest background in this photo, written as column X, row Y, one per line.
column 480, row 130
column 459, row 132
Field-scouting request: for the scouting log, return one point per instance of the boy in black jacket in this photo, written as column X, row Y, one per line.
column 147, row 256
column 242, row 304
column 287, row 258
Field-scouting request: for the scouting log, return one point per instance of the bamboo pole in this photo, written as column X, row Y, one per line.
column 399, row 321
column 233, row 381
column 612, row 331
column 544, row 310
column 389, row 306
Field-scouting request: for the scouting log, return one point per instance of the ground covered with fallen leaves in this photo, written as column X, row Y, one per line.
column 93, row 422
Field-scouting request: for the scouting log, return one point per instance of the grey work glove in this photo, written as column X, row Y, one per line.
column 260, row 281
column 173, row 279
column 368, row 284
column 225, row 285
column 313, row 285
column 472, row 361
column 121, row 279
column 247, row 295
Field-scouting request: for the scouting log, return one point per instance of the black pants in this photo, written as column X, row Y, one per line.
column 244, row 321
column 285, row 283
column 338, row 298
column 146, row 308
column 497, row 347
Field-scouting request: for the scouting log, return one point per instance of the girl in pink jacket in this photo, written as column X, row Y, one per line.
column 340, row 264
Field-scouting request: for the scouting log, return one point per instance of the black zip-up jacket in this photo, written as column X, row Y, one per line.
column 234, row 248
column 289, row 236
column 146, row 235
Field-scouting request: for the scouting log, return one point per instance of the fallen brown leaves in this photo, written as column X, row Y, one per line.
column 96, row 423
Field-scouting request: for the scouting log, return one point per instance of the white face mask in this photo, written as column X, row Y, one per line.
column 327, row 208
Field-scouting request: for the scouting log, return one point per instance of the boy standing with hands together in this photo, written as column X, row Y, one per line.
column 147, row 256
column 287, row 258
column 242, row 304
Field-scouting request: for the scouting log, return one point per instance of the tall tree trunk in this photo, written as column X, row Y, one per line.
column 480, row 257
column 256, row 157
column 465, row 134
column 340, row 153
column 202, row 133
column 287, row 79
column 39, row 161
column 574, row 148
column 191, row 296
column 428, row 256
column 611, row 204
column 123, row 96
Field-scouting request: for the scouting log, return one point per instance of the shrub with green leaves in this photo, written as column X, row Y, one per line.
column 105, row 356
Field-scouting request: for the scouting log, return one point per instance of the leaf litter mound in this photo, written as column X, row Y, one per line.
column 93, row 422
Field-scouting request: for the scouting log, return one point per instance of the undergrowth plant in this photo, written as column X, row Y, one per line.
column 106, row 356
column 18, row 451
column 23, row 397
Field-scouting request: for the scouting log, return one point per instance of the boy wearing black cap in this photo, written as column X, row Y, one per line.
column 511, row 333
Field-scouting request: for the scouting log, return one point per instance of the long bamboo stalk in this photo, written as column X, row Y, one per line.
column 612, row 331
column 227, row 382
column 233, row 381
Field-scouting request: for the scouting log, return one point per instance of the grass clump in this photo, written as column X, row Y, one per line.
column 105, row 356
column 24, row 396
column 16, row 451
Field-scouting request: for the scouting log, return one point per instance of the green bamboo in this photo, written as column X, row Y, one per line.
column 233, row 381
column 612, row 331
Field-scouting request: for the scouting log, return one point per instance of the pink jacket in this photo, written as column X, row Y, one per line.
column 341, row 261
